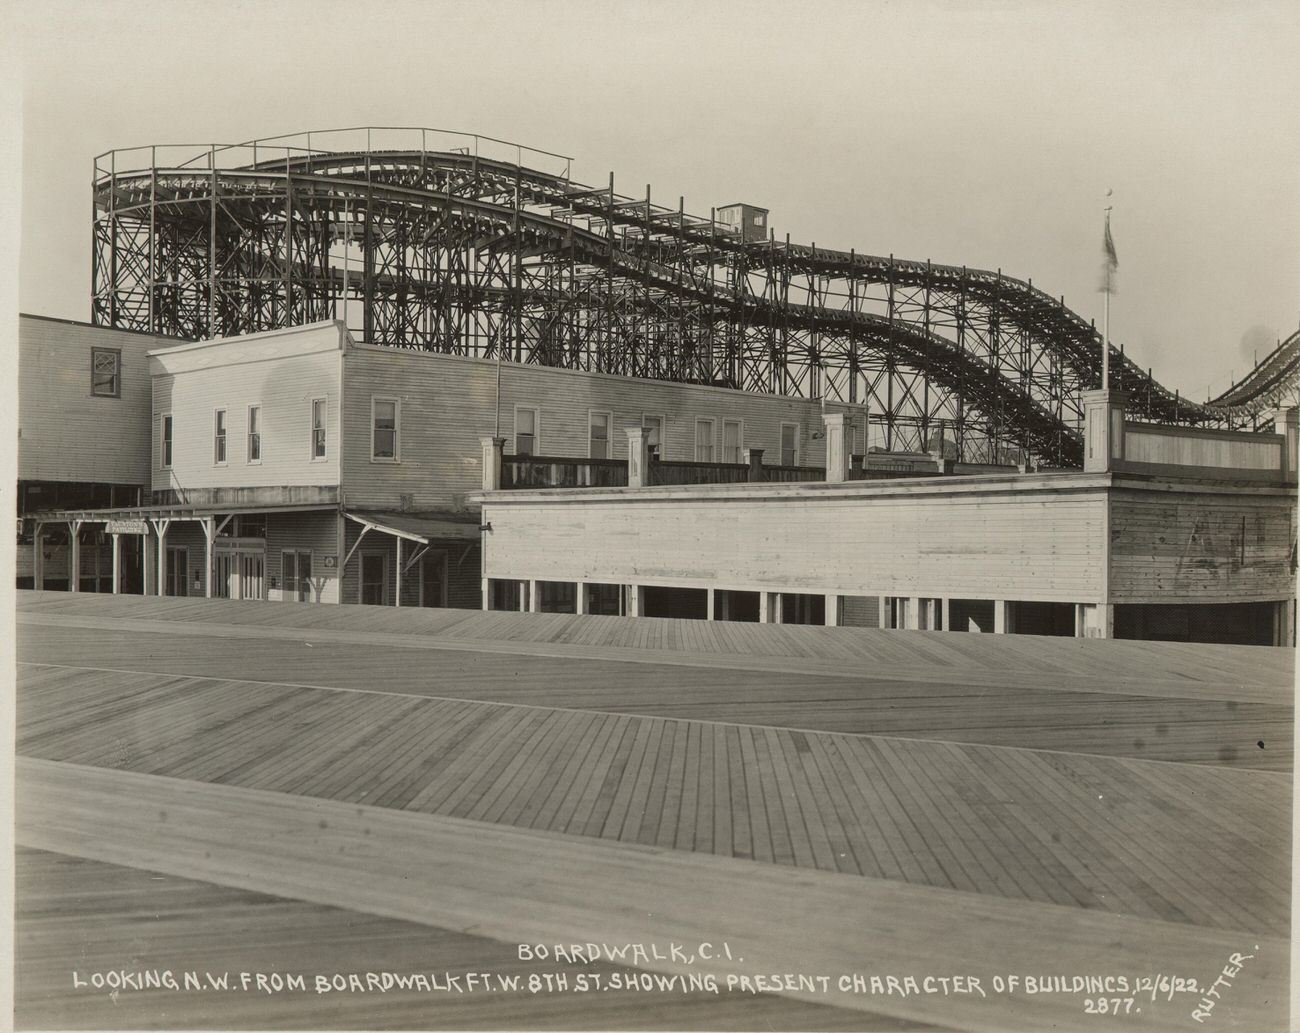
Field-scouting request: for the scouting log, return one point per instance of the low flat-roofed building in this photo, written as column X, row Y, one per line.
column 1166, row 533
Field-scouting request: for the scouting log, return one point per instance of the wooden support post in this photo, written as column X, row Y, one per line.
column 534, row 598
column 1001, row 616
column 710, row 603
column 580, row 597
column 493, row 448
column 1286, row 422
column 638, row 457
column 38, row 556
column 832, row 619
column 1286, row 623
column 209, row 548
column 117, row 563
column 883, row 620
column 946, row 614
column 162, row 560
column 397, row 596
column 765, row 600
column 838, row 446
column 487, row 593
column 634, row 600
column 149, row 561
column 74, row 555
column 1103, row 432
column 160, row 526
column 523, row 595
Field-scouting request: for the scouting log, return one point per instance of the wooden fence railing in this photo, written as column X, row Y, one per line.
column 562, row 472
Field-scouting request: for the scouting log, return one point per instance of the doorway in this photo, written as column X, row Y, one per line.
column 374, row 578
column 433, row 579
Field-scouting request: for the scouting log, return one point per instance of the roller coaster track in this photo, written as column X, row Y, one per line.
column 470, row 254
column 1272, row 383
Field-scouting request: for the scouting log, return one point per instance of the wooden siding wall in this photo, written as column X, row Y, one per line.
column 64, row 432
column 993, row 545
column 235, row 375
column 1170, row 446
column 448, row 404
column 317, row 532
column 464, row 578
column 1184, row 548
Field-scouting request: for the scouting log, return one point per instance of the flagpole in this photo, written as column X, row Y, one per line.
column 1105, row 321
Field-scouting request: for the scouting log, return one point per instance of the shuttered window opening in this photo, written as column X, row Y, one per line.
column 385, row 441
column 106, row 372
column 219, row 437
column 318, row 413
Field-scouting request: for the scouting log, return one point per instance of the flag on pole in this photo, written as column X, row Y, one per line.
column 1110, row 263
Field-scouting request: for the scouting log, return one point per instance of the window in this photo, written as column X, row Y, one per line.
column 704, row 441
column 295, row 573
column 318, row 412
column 219, row 437
column 789, row 444
column 733, row 441
column 655, row 425
column 254, row 433
column 384, row 436
column 106, row 372
column 598, row 435
column 525, row 431
column 165, row 450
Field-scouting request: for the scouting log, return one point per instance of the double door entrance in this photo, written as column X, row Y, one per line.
column 424, row 583
column 240, row 570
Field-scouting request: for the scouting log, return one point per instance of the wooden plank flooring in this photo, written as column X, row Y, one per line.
column 1074, row 663
column 502, row 763
column 981, row 777
column 1018, row 711
column 75, row 913
column 519, row 886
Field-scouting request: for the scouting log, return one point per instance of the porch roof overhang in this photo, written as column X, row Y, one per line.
column 174, row 512
column 423, row 528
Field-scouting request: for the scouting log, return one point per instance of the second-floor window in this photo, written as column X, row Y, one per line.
column 598, row 435
column 106, row 372
column 165, row 443
column 254, row 433
column 525, row 431
column 219, row 437
column 318, row 413
column 384, row 441
column 704, row 441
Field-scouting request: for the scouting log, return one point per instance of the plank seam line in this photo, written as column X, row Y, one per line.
column 552, row 649
column 870, row 736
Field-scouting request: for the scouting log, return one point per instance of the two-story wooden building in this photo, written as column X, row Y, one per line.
column 83, row 439
column 297, row 464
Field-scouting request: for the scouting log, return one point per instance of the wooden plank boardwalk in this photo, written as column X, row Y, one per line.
column 1133, row 837
column 1018, row 709
column 1222, row 672
column 518, row 886
column 92, row 907
column 1144, row 785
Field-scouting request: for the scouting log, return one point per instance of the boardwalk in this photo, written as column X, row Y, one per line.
column 1098, row 801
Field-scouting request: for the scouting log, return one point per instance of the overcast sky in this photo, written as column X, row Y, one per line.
column 980, row 134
